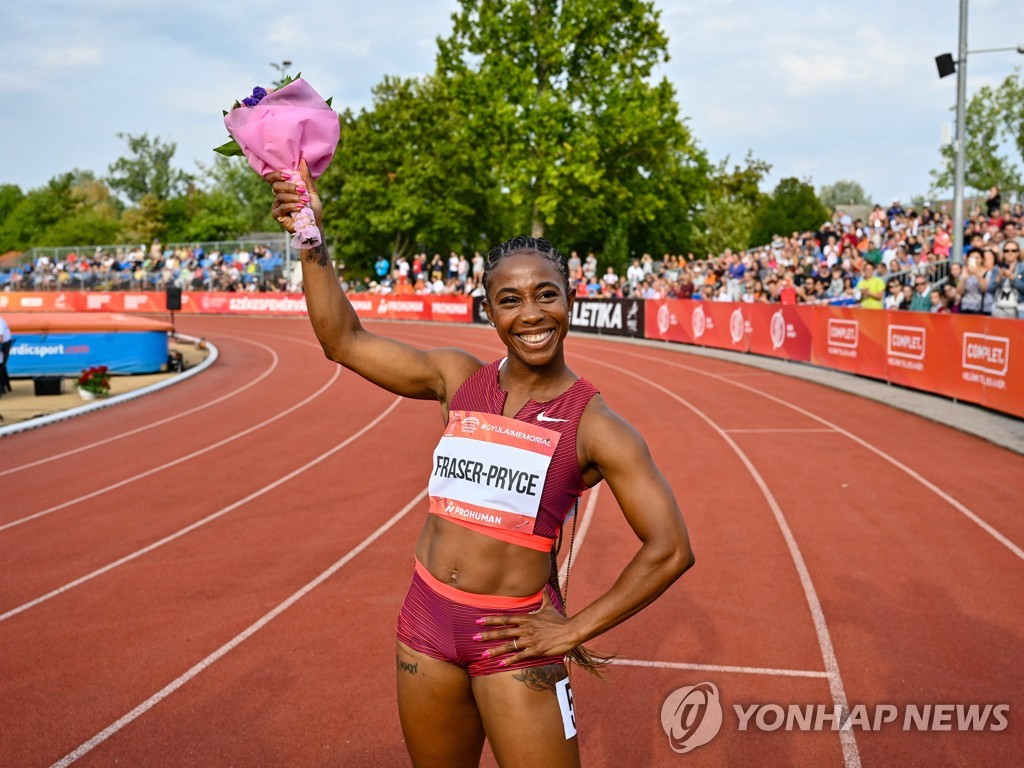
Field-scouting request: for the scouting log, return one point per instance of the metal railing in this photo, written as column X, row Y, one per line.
column 273, row 241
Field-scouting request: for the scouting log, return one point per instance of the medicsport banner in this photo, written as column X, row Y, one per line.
column 67, row 354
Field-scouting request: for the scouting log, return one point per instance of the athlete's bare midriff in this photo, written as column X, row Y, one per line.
column 474, row 562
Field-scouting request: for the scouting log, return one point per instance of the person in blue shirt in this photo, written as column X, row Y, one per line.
column 382, row 266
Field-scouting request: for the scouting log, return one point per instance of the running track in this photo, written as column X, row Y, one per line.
column 183, row 585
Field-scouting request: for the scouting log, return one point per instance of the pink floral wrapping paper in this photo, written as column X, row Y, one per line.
column 288, row 125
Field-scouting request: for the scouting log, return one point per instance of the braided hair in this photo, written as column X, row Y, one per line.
column 523, row 244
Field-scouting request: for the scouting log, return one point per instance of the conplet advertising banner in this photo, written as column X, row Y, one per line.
column 850, row 339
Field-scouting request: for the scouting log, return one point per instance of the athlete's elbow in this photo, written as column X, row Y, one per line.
column 682, row 560
column 675, row 559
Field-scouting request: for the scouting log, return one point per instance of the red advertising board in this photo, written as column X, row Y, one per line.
column 780, row 331
column 723, row 325
column 970, row 357
column 990, row 362
column 849, row 339
column 452, row 309
column 668, row 320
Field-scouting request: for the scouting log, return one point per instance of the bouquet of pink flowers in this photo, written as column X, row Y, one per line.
column 275, row 130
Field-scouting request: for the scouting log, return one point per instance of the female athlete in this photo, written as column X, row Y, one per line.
column 482, row 638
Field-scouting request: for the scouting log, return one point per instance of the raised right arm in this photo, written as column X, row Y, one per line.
column 397, row 367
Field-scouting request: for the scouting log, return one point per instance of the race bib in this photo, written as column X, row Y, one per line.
column 490, row 470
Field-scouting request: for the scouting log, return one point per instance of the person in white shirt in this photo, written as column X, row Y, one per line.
column 5, row 351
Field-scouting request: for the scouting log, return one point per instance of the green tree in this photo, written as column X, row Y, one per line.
column 843, row 192
column 994, row 139
column 406, row 178
column 10, row 196
column 37, row 211
column 145, row 222
column 556, row 95
column 730, row 206
column 792, row 207
column 234, row 192
column 92, row 217
column 147, row 170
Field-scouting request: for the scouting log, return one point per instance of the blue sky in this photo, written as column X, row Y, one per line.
column 821, row 90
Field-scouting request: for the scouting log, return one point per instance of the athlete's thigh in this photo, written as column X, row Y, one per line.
column 525, row 723
column 439, row 717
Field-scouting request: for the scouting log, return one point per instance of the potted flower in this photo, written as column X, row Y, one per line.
column 94, row 382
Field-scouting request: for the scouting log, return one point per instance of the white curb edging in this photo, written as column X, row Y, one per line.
column 53, row 418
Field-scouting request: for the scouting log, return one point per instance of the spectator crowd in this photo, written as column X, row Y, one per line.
column 896, row 258
column 191, row 268
column 893, row 258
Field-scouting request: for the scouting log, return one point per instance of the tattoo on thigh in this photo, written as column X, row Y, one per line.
column 540, row 678
column 405, row 666
column 319, row 254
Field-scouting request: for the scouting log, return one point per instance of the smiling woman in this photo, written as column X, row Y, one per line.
column 484, row 638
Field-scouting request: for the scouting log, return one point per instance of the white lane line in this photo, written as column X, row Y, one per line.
column 581, row 533
column 211, row 403
column 237, row 640
column 851, row 755
column 777, row 431
column 174, row 462
column 990, row 529
column 718, row 668
column 199, row 523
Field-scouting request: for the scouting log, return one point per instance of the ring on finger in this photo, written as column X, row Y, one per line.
column 515, row 644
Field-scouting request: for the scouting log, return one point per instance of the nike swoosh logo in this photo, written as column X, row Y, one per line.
column 542, row 417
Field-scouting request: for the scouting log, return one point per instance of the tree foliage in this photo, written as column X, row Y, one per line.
column 237, row 197
column 405, row 177
column 994, row 139
column 843, row 192
column 792, row 207
column 147, row 170
column 730, row 206
column 556, row 96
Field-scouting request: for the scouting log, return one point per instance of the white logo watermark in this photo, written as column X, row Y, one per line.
column 862, row 717
column 692, row 716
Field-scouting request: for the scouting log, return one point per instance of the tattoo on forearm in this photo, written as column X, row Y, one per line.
column 318, row 254
column 540, row 678
column 405, row 666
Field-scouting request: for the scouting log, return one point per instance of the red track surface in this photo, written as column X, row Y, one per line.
column 844, row 549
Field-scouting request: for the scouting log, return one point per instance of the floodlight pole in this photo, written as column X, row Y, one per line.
column 961, row 139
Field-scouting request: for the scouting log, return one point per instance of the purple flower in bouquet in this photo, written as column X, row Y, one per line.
column 257, row 96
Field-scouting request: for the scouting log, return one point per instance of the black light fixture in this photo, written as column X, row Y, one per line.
column 946, row 64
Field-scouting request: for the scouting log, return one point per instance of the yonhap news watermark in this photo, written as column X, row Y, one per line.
column 693, row 715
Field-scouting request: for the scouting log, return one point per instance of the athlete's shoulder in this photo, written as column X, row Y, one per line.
column 608, row 445
column 457, row 367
